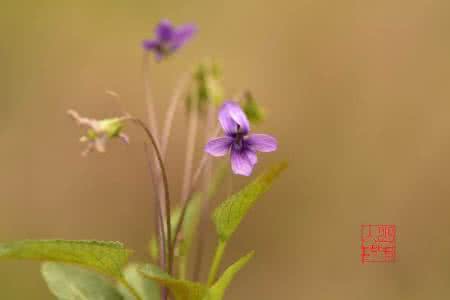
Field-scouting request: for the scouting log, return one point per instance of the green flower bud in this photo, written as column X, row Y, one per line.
column 99, row 131
column 255, row 113
column 207, row 86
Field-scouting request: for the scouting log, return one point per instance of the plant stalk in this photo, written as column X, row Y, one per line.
column 151, row 115
column 166, row 190
column 170, row 113
column 158, row 213
column 194, row 181
column 198, row 259
column 220, row 250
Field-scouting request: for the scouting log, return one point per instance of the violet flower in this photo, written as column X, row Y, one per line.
column 237, row 141
column 168, row 38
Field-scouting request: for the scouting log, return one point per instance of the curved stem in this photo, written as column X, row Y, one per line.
column 130, row 288
column 158, row 214
column 166, row 190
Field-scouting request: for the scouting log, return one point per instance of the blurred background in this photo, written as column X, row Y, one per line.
column 357, row 92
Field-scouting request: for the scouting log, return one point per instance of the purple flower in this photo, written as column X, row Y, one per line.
column 168, row 38
column 237, row 141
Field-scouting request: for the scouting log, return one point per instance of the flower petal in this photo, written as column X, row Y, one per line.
column 240, row 163
column 231, row 115
column 251, row 155
column 165, row 31
column 227, row 123
column 219, row 146
column 238, row 115
column 100, row 143
column 182, row 35
column 262, row 142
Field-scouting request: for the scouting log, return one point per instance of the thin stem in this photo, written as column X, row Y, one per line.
column 185, row 200
column 197, row 174
column 148, row 94
column 159, row 214
column 182, row 268
column 166, row 190
column 130, row 288
column 168, row 120
column 220, row 250
column 198, row 259
column 203, row 162
column 190, row 146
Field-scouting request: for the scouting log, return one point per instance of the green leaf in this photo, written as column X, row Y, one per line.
column 188, row 290
column 68, row 282
column 105, row 257
column 218, row 289
column 148, row 289
column 230, row 213
column 180, row 289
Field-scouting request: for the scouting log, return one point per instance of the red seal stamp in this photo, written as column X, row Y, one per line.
column 378, row 243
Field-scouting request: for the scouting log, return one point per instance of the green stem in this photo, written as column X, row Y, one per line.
column 220, row 250
column 182, row 267
column 130, row 288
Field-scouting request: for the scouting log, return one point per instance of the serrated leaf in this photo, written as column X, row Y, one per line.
column 180, row 289
column 68, row 282
column 217, row 291
column 148, row 289
column 105, row 257
column 230, row 213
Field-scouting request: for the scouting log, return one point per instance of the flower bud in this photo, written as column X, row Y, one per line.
column 253, row 111
column 207, row 86
column 99, row 131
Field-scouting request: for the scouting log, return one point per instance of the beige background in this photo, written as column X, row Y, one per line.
column 358, row 96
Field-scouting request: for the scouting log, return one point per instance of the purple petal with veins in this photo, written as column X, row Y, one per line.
column 262, row 142
column 237, row 114
column 219, row 146
column 231, row 115
column 251, row 155
column 240, row 163
column 242, row 147
column 226, row 121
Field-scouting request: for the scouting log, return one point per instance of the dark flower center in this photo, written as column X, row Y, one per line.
column 239, row 139
column 163, row 48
